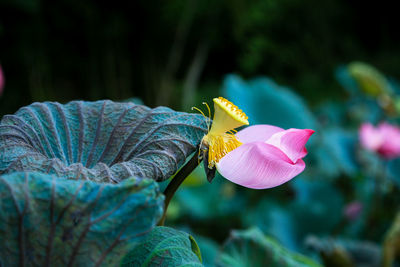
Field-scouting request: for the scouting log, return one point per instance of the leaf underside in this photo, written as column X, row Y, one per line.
column 103, row 141
column 49, row 221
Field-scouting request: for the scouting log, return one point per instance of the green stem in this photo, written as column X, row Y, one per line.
column 177, row 181
column 376, row 210
column 391, row 244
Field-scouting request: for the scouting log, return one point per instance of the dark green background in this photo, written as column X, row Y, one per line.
column 71, row 49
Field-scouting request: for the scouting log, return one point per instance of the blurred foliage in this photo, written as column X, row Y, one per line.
column 252, row 248
column 346, row 253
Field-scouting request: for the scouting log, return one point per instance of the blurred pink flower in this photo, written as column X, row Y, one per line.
column 383, row 139
column 2, row 81
column 268, row 157
column 353, row 210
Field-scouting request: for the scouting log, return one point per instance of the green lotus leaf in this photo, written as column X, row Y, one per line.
column 51, row 221
column 103, row 141
column 165, row 246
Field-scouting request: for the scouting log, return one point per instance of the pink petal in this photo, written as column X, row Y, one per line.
column 257, row 133
column 390, row 147
column 258, row 165
column 292, row 142
column 370, row 137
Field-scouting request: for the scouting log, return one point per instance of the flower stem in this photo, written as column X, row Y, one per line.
column 177, row 181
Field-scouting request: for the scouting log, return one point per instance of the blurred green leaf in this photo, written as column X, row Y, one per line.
column 196, row 178
column 331, row 113
column 337, row 252
column 320, row 202
column 369, row 79
column 371, row 92
column 50, row 221
column 276, row 220
column 215, row 203
column 209, row 250
column 251, row 247
column 265, row 102
column 343, row 76
column 165, row 246
column 397, row 104
column 394, row 170
column 335, row 152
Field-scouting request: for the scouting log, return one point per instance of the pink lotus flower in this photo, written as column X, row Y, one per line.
column 1, row 81
column 260, row 156
column 268, row 157
column 384, row 139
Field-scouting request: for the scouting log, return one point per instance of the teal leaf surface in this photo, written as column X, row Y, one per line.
column 320, row 202
column 252, row 248
column 346, row 80
column 165, row 246
column 50, row 221
column 335, row 152
column 265, row 102
column 103, row 141
column 275, row 219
